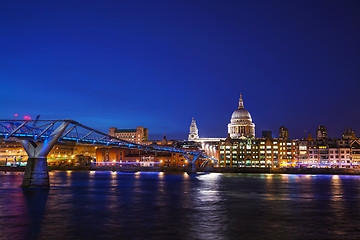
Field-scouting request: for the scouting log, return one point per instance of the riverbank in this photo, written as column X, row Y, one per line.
column 326, row 171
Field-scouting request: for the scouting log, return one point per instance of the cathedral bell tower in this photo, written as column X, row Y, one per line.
column 194, row 132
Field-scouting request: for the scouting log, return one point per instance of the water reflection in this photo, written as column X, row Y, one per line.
column 36, row 200
column 115, row 205
column 336, row 188
column 208, row 211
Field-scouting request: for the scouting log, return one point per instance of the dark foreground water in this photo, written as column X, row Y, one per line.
column 107, row 205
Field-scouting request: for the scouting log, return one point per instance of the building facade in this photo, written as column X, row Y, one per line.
column 138, row 135
column 12, row 153
column 112, row 156
column 259, row 152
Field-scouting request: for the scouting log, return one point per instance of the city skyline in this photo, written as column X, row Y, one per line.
column 158, row 65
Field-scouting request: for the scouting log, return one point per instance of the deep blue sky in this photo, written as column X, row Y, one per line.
column 159, row 63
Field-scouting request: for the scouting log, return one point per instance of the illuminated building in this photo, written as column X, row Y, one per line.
column 259, row 152
column 302, row 153
column 11, row 152
column 194, row 135
column 137, row 135
column 208, row 145
column 329, row 153
column 241, row 125
column 194, row 132
column 355, row 153
column 110, row 156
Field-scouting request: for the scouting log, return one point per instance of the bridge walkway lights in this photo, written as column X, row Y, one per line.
column 39, row 140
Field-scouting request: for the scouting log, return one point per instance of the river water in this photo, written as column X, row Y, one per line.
column 114, row 205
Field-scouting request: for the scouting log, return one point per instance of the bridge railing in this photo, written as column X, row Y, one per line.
column 38, row 130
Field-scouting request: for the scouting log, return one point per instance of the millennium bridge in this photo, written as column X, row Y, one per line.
column 38, row 141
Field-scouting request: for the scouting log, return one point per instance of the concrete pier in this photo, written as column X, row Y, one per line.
column 36, row 173
column 191, row 168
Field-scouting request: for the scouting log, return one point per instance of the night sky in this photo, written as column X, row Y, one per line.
column 157, row 64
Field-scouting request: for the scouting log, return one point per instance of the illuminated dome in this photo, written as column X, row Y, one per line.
column 241, row 125
column 240, row 114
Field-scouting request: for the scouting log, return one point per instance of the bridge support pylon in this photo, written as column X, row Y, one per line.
column 191, row 163
column 36, row 171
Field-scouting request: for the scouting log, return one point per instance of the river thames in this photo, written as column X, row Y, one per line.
column 146, row 205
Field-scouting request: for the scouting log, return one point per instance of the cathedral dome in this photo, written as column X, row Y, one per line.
column 241, row 124
column 240, row 114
